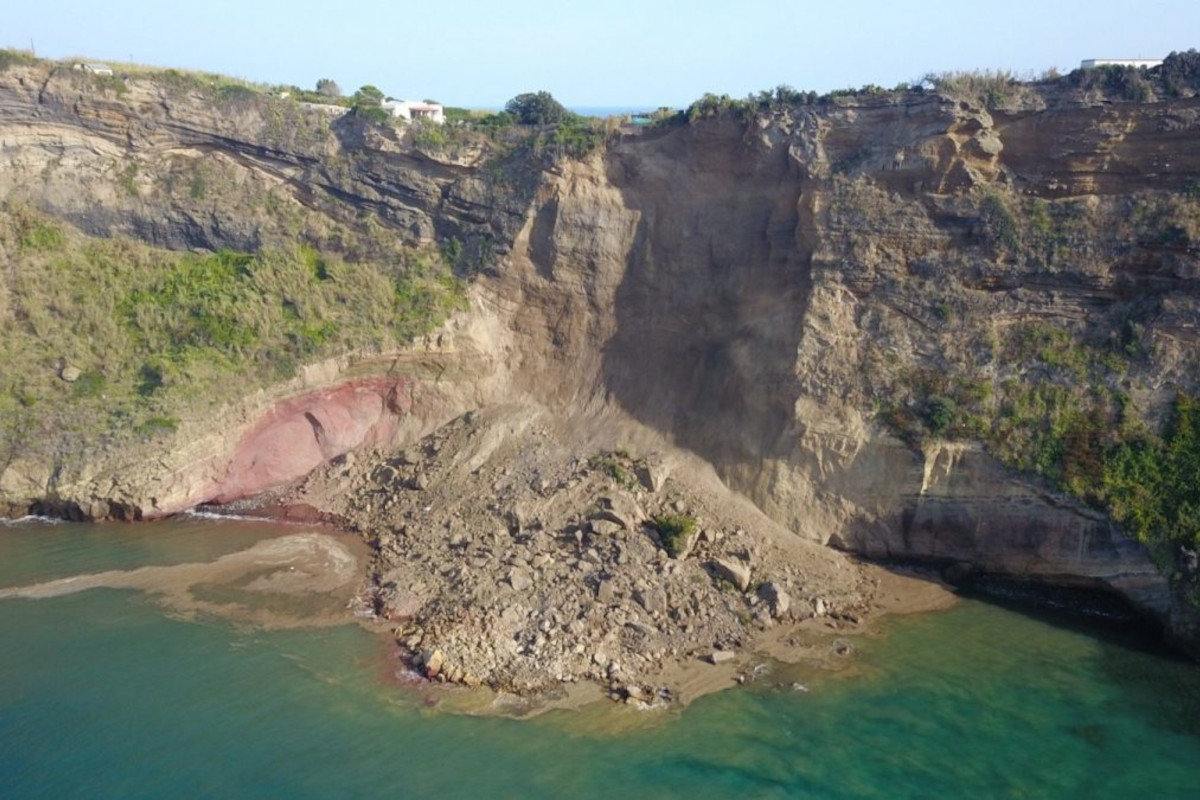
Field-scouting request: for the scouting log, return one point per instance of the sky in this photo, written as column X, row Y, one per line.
column 618, row 53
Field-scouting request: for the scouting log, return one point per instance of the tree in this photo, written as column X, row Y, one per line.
column 366, row 103
column 328, row 88
column 368, row 96
column 536, row 108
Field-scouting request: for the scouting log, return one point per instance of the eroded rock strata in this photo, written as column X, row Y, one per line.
column 742, row 296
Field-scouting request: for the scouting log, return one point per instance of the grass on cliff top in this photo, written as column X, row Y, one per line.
column 156, row 335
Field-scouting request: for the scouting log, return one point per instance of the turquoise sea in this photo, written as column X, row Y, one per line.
column 105, row 694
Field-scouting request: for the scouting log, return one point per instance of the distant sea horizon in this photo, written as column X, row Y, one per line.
column 611, row 111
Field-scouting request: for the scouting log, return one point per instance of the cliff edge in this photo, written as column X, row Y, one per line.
column 893, row 322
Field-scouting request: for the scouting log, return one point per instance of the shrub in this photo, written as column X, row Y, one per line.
column 367, row 102
column 156, row 425
column 1180, row 73
column 1152, row 485
column 999, row 223
column 40, row 237
column 614, row 469
column 673, row 531
column 939, row 414
column 1126, row 83
column 990, row 88
column 711, row 105
column 10, row 57
column 88, row 384
column 536, row 108
column 110, row 83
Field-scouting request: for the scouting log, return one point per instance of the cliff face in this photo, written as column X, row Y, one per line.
column 756, row 292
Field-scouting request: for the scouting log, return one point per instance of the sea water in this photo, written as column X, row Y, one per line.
column 109, row 694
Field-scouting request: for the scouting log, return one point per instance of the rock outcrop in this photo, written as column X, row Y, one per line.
column 750, row 292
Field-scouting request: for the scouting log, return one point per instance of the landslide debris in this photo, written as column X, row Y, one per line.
column 504, row 556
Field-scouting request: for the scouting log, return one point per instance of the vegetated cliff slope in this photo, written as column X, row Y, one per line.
column 907, row 324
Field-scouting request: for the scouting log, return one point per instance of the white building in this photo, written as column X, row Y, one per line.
column 1142, row 63
column 412, row 109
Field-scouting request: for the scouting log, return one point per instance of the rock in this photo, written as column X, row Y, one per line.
column 70, row 374
column 623, row 510
column 653, row 475
column 604, row 527
column 432, row 660
column 721, row 656
column 736, row 572
column 519, row 579
column 541, row 561
column 420, row 482
column 653, row 600
column 777, row 599
column 385, row 475
column 606, row 592
column 819, row 607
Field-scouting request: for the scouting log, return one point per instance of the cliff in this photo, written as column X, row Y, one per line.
column 789, row 295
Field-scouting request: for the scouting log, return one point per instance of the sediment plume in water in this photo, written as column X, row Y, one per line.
column 300, row 580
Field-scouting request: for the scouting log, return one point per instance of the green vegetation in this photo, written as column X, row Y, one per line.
column 110, row 83
column 989, row 88
column 559, row 132
column 1058, row 417
column 674, row 530
column 536, row 108
column 366, row 103
column 10, row 57
column 1039, row 234
column 1179, row 76
column 1126, row 83
column 616, row 466
column 1180, row 73
column 1055, row 398
column 1152, row 484
column 155, row 334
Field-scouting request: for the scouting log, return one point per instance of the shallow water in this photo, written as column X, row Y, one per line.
column 108, row 693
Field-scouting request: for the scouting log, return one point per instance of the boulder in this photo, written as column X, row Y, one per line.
column 433, row 661
column 606, row 592
column 721, row 656
column 653, row 600
column 70, row 374
column 776, row 598
column 621, row 509
column 653, row 474
column 604, row 527
column 734, row 571
column 519, row 579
